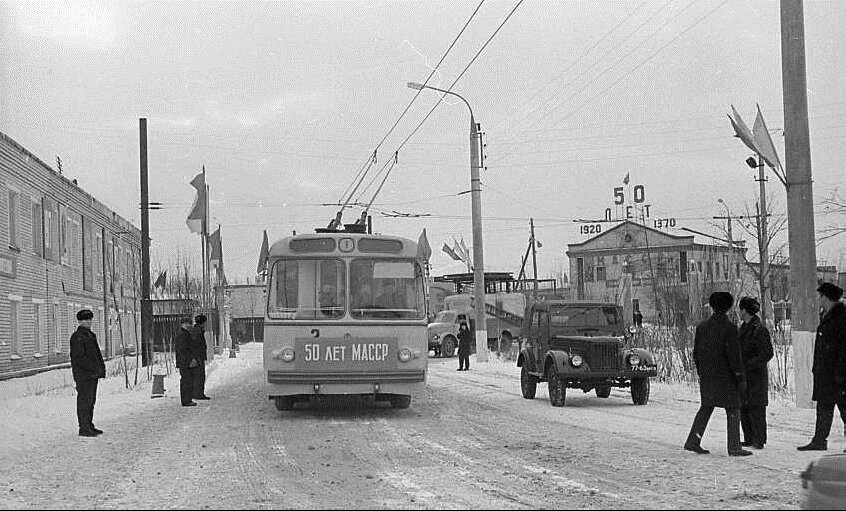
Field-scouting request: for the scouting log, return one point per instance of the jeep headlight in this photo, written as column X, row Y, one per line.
column 632, row 329
column 287, row 355
column 634, row 360
column 404, row 355
column 436, row 337
column 576, row 361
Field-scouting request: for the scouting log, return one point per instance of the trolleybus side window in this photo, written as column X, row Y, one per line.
column 386, row 288
column 308, row 289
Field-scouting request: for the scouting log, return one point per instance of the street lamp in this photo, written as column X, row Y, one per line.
column 476, row 202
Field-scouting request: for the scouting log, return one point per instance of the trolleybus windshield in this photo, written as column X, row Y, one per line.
column 316, row 288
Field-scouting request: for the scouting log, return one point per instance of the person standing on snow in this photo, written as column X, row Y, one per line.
column 198, row 351
column 88, row 367
column 756, row 350
column 464, row 338
column 716, row 353
column 185, row 362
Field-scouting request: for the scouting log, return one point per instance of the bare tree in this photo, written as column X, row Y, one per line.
column 834, row 208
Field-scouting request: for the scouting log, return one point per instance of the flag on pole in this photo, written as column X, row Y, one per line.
column 764, row 142
column 160, row 280
column 450, row 252
column 424, row 251
column 197, row 216
column 464, row 250
column 215, row 249
column 265, row 250
column 742, row 131
column 626, row 179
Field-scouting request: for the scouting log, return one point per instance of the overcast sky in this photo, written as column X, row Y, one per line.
column 283, row 102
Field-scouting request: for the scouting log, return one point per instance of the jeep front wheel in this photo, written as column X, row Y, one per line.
column 640, row 391
column 448, row 347
column 557, row 387
column 603, row 391
column 528, row 383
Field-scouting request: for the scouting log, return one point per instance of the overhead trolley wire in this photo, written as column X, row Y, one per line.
column 360, row 176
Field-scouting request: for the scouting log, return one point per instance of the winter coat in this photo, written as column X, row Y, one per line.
column 830, row 356
column 86, row 358
column 756, row 349
column 464, row 338
column 716, row 353
column 198, row 343
column 182, row 347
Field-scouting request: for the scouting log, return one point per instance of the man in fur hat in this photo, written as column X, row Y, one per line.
column 722, row 382
column 829, row 365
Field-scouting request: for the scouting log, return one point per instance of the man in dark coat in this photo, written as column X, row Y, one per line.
column 464, row 337
column 185, row 362
column 756, row 349
column 716, row 353
column 198, row 351
column 88, row 367
column 829, row 365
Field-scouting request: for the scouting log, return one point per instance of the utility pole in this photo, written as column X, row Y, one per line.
column 800, row 198
column 534, row 259
column 763, row 247
column 730, row 242
column 478, row 260
column 146, row 304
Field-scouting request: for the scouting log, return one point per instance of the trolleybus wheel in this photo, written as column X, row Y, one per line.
column 400, row 401
column 284, row 403
column 603, row 391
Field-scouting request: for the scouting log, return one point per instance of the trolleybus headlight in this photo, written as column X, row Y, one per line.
column 404, row 355
column 634, row 360
column 632, row 329
column 287, row 355
column 576, row 361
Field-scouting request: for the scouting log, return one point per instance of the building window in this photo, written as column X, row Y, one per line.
column 37, row 230
column 737, row 269
column 716, row 270
column 600, row 273
column 14, row 218
column 614, row 259
column 683, row 266
column 98, row 254
column 36, row 327
column 15, row 325
column 57, row 326
column 699, row 266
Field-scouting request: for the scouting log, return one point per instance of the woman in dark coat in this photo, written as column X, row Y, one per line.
column 716, row 353
column 756, row 349
column 464, row 337
column 829, row 365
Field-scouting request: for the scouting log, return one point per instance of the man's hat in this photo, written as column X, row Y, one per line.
column 185, row 320
column 200, row 319
column 721, row 301
column 84, row 314
column 830, row 291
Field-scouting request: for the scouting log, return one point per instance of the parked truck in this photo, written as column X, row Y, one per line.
column 504, row 318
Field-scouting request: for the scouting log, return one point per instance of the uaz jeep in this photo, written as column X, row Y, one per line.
column 582, row 345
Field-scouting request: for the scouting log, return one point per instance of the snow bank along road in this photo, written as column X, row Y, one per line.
column 469, row 441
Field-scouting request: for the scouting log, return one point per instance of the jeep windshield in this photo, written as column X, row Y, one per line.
column 445, row 317
column 603, row 319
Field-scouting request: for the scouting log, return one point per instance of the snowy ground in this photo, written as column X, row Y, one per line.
column 469, row 441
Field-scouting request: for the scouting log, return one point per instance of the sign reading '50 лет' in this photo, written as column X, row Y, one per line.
column 345, row 353
column 633, row 208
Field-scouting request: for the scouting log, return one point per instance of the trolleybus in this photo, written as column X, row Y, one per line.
column 345, row 315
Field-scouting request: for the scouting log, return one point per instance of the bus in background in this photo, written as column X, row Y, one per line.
column 345, row 315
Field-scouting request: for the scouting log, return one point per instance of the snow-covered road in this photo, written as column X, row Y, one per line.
column 470, row 441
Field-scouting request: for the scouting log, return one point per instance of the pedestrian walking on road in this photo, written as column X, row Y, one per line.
column 464, row 337
column 185, row 362
column 198, row 351
column 829, row 365
column 716, row 353
column 756, row 349
column 88, row 367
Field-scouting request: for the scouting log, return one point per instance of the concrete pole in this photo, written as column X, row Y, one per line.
column 534, row 260
column 146, row 304
column 800, row 198
column 478, row 253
